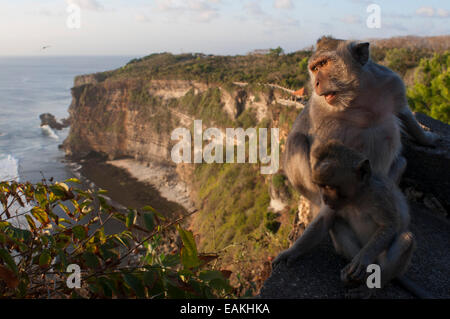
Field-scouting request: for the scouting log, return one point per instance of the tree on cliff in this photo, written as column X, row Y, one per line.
column 430, row 93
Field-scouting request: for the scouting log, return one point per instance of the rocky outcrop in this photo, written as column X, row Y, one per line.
column 51, row 121
column 427, row 177
column 426, row 185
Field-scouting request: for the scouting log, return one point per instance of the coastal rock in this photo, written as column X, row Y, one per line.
column 52, row 122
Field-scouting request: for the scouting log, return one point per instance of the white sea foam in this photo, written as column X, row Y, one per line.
column 9, row 171
column 9, row 168
column 47, row 131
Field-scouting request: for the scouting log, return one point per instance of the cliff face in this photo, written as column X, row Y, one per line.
column 132, row 118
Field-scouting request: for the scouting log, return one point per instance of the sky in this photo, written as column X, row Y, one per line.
column 227, row 27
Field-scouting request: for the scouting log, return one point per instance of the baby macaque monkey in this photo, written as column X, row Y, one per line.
column 366, row 215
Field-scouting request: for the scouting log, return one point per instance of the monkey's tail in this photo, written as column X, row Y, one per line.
column 413, row 288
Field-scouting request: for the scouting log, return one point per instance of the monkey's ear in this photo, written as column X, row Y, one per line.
column 364, row 170
column 360, row 52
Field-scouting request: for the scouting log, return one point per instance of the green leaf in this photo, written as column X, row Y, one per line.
column 150, row 277
column 170, row 260
column 135, row 284
column 30, row 222
column 149, row 220
column 189, row 254
column 91, row 260
column 58, row 190
column 41, row 195
column 107, row 286
column 4, row 254
column 41, row 215
column 79, row 232
column 149, row 209
column 45, row 258
column 62, row 258
column 152, row 210
column 209, row 275
column 120, row 240
column 131, row 219
column 72, row 180
column 106, row 253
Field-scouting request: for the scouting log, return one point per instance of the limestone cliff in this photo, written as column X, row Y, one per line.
column 134, row 118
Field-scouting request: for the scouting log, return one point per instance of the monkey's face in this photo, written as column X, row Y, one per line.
column 338, row 185
column 330, row 196
column 335, row 75
column 337, row 196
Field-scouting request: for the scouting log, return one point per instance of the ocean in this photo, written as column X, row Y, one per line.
column 30, row 86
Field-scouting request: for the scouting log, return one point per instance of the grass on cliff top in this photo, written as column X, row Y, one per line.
column 271, row 68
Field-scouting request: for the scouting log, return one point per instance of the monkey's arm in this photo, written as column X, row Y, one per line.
column 313, row 235
column 297, row 165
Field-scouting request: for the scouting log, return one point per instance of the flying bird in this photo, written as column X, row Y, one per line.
column 45, row 47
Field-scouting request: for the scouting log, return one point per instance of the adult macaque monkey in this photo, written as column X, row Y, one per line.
column 357, row 102
column 365, row 213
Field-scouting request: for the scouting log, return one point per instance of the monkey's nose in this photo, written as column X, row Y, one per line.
column 317, row 83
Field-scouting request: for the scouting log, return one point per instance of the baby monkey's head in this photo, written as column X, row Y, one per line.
column 339, row 172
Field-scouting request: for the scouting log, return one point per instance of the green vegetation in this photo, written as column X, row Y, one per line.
column 278, row 180
column 430, row 93
column 399, row 60
column 34, row 256
column 235, row 220
column 206, row 106
column 271, row 68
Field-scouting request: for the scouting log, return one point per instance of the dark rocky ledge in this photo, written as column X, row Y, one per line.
column 427, row 185
column 50, row 120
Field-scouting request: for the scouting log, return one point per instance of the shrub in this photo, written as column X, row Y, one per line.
column 430, row 93
column 35, row 254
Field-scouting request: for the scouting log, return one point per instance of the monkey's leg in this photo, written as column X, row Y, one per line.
column 414, row 129
column 396, row 259
column 397, row 169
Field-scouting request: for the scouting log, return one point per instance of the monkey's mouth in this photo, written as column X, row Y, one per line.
column 330, row 97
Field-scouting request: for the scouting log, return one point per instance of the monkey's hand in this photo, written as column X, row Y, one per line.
column 289, row 256
column 356, row 269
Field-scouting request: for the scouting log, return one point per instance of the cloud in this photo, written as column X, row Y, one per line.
column 199, row 10
column 49, row 13
column 443, row 13
column 283, row 4
column 92, row 5
column 351, row 19
column 142, row 18
column 425, row 11
column 431, row 12
column 253, row 9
